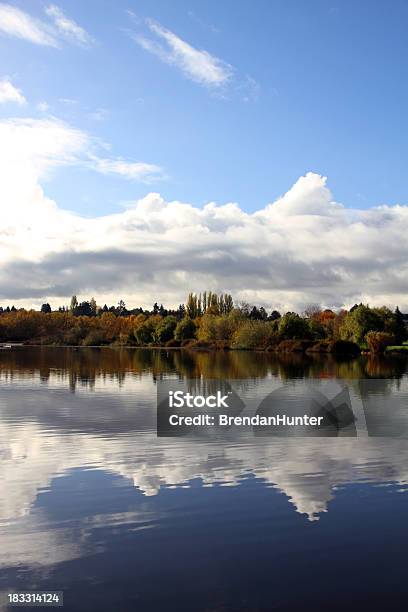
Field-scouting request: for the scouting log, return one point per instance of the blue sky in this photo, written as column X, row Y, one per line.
column 128, row 130
column 328, row 95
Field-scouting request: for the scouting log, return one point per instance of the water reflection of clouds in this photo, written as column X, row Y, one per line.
column 30, row 542
column 306, row 470
column 46, row 431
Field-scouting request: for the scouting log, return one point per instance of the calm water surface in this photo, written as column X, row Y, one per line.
column 94, row 504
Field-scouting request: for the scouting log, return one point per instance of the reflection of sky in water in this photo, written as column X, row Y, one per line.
column 83, row 475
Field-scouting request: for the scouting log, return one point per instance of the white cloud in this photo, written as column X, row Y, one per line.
column 198, row 65
column 68, row 101
column 31, row 148
column 303, row 248
column 68, row 27
column 127, row 169
column 18, row 23
column 10, row 93
column 15, row 22
column 38, row 144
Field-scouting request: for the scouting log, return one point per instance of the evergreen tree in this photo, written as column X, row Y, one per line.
column 400, row 329
column 83, row 309
column 181, row 312
column 121, row 308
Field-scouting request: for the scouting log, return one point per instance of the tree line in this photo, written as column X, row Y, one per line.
column 206, row 320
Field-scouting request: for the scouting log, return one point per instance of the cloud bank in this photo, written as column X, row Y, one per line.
column 304, row 247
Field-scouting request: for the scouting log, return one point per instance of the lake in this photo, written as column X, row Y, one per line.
column 94, row 504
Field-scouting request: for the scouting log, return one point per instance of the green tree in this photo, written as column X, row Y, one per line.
column 358, row 322
column 83, row 309
column 254, row 334
column 400, row 329
column 293, row 327
column 316, row 329
column 144, row 333
column 165, row 329
column 387, row 317
column 46, row 308
column 185, row 329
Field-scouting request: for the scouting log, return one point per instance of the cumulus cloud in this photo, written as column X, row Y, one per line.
column 303, row 248
column 196, row 64
column 29, row 150
column 18, row 23
column 10, row 93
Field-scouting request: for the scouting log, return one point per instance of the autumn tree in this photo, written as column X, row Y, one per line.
column 92, row 304
column 312, row 311
column 378, row 341
column 192, row 306
column 74, row 304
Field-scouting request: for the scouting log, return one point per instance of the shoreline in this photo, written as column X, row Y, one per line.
column 397, row 351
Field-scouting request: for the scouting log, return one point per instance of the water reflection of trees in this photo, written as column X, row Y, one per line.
column 85, row 366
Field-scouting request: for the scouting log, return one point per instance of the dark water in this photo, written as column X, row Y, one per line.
column 94, row 504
